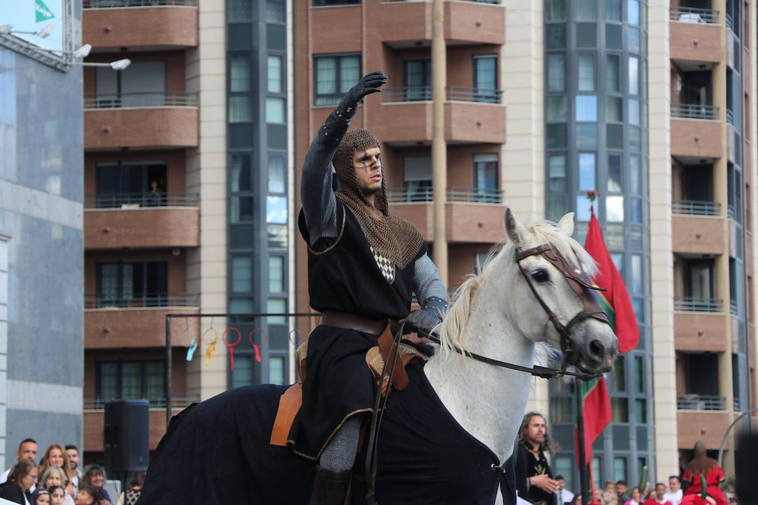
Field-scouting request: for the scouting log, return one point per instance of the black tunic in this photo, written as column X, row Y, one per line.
column 527, row 465
column 343, row 276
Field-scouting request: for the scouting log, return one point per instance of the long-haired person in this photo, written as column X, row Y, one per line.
column 94, row 477
column 534, row 480
column 22, row 477
column 55, row 455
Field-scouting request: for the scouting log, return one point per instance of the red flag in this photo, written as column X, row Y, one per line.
column 596, row 405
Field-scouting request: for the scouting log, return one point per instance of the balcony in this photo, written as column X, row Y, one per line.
column 698, row 227
column 141, row 220
column 141, row 120
column 695, row 34
column 696, row 131
column 134, row 322
column 699, row 325
column 471, row 216
column 694, row 425
column 700, row 402
column 472, row 115
column 110, row 25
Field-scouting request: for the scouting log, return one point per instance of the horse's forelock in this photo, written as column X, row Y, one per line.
column 567, row 247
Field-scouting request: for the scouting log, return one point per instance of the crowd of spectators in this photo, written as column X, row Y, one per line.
column 58, row 480
column 617, row 493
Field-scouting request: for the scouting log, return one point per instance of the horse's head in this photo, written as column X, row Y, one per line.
column 557, row 298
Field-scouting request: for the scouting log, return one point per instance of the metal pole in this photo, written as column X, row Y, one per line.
column 169, row 389
column 729, row 429
column 583, row 477
column 439, row 147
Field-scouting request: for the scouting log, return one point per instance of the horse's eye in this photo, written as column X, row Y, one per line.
column 541, row 275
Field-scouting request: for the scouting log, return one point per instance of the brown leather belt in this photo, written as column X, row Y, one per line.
column 354, row 322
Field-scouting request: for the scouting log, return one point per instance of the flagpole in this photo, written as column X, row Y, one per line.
column 583, row 482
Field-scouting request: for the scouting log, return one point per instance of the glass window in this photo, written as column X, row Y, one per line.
column 276, row 173
column 418, row 79
column 274, row 74
column 557, row 108
column 635, row 210
column 276, row 306
column 485, row 177
column 556, row 72
column 634, row 111
column 613, row 10
column 557, row 206
column 485, row 73
column 635, row 138
column 334, row 76
column 276, row 370
column 620, row 410
column 615, row 180
column 555, row 136
column 275, row 113
column 635, row 174
column 612, row 74
column 633, row 40
column 586, row 136
column 582, row 208
column 619, row 469
column 586, row 35
column 241, row 174
column 633, row 12
column 241, row 306
column 585, row 10
column 560, row 410
column 277, row 236
column 614, row 136
column 634, row 75
column 640, row 411
column 614, row 109
column 243, row 371
column 276, row 209
column 241, row 209
column 618, row 373
column 557, row 172
column 613, row 36
column 276, row 274
column 636, row 283
column 555, row 36
column 242, row 274
column 586, row 171
column 586, row 108
column 275, row 11
column 596, row 467
column 239, row 10
column 239, row 73
column 614, row 209
column 555, row 10
column 586, row 72
column 240, row 109
column 618, row 260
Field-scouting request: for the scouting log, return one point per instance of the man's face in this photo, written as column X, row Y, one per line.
column 674, row 484
column 561, row 484
column 620, row 489
column 73, row 458
column 660, row 490
column 368, row 169
column 535, row 430
column 28, row 450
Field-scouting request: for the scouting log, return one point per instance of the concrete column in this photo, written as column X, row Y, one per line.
column 439, row 147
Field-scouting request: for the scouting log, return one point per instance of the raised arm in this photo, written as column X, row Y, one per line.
column 431, row 295
column 316, row 189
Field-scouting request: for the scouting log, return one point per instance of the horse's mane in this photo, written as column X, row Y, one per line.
column 452, row 330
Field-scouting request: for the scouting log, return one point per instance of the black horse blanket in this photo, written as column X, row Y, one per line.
column 217, row 453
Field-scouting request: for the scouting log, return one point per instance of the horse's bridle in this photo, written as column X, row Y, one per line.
column 580, row 284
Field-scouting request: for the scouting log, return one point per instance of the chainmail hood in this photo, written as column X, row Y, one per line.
column 390, row 236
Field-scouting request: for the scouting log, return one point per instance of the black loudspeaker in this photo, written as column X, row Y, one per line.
column 126, row 436
column 745, row 469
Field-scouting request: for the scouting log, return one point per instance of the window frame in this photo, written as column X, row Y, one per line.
column 333, row 97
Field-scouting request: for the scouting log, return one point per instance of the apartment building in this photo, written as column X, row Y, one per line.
column 186, row 213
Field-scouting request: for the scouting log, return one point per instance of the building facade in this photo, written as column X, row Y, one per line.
column 41, row 237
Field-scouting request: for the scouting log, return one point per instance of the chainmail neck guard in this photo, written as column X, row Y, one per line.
column 391, row 236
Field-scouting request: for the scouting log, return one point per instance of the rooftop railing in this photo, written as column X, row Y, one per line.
column 696, row 208
column 700, row 402
column 694, row 15
column 694, row 304
column 120, row 4
column 453, row 93
column 694, row 111
column 146, row 99
column 147, row 301
column 140, row 200
column 177, row 402
column 454, row 194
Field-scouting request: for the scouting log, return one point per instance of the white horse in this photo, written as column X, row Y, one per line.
column 497, row 314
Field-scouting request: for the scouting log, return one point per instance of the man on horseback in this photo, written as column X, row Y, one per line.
column 364, row 265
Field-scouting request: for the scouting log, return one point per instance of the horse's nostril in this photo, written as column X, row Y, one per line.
column 597, row 349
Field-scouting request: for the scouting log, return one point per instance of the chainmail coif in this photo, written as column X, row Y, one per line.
column 390, row 236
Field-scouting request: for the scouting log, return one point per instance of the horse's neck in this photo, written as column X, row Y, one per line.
column 486, row 400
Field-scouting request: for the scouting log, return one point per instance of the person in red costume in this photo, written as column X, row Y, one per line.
column 711, row 472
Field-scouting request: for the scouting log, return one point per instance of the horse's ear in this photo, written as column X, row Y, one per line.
column 566, row 224
column 516, row 231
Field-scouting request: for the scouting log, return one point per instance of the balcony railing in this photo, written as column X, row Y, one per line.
column 696, row 208
column 453, row 93
column 146, row 99
column 730, row 117
column 147, row 301
column 454, row 194
column 694, row 15
column 729, row 22
column 691, row 304
column 694, row 111
column 177, row 402
column 737, row 404
column 140, row 200
column 700, row 402
column 733, row 308
column 120, row 4
column 731, row 211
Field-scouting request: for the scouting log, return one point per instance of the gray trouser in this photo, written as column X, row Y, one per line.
column 340, row 452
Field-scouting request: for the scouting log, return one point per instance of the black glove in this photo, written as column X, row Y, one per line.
column 369, row 83
column 426, row 318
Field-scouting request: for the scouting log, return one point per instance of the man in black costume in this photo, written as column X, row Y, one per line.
column 534, row 481
column 364, row 265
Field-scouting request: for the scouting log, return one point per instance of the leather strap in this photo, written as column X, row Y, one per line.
column 289, row 405
column 354, row 322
